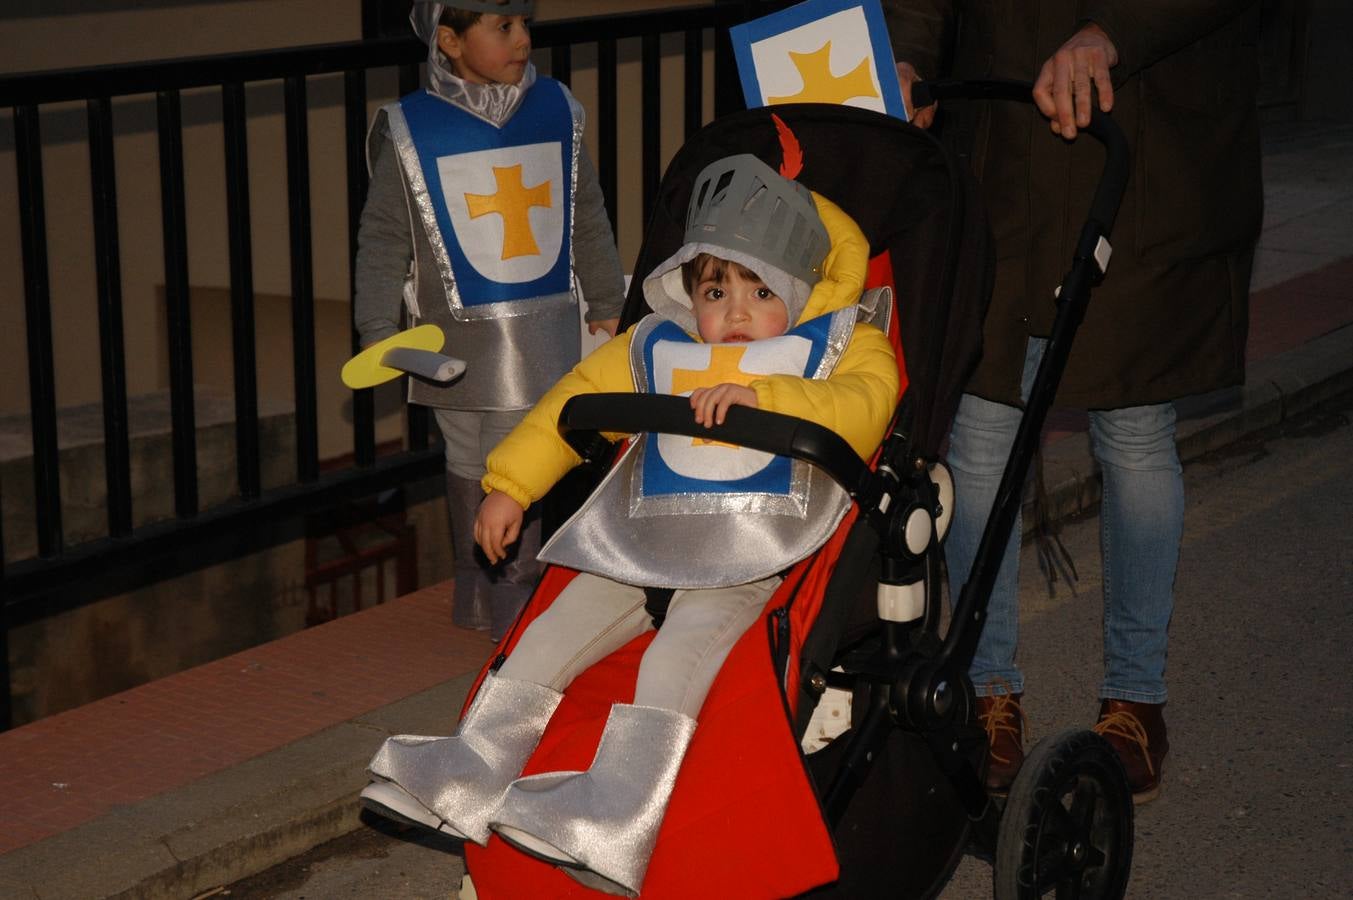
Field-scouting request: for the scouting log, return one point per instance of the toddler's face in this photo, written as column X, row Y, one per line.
column 731, row 307
column 493, row 50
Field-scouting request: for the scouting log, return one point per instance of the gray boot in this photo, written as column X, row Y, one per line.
column 601, row 824
column 473, row 606
column 462, row 779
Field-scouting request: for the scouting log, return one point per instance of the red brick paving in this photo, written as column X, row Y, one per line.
column 75, row 766
column 1289, row 314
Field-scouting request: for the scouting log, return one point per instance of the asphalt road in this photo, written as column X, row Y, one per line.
column 1260, row 773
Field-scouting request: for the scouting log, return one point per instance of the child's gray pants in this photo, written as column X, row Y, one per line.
column 593, row 616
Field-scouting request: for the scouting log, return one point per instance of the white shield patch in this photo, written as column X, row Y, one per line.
column 507, row 206
column 679, row 368
column 828, row 60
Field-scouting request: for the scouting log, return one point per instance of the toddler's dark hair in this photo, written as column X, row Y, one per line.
column 707, row 266
column 460, row 20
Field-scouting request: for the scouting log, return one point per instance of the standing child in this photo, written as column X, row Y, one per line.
column 483, row 213
column 768, row 278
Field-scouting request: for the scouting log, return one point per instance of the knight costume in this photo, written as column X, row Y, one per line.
column 669, row 507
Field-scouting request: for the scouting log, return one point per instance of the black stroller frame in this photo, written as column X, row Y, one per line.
column 1067, row 823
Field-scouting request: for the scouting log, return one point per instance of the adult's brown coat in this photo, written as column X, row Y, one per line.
column 1171, row 316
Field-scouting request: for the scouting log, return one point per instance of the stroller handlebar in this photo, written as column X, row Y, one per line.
column 585, row 416
column 1073, row 296
column 1102, row 128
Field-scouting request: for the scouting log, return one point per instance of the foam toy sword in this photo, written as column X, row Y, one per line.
column 415, row 351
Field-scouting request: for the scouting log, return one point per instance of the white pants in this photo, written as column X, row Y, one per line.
column 593, row 617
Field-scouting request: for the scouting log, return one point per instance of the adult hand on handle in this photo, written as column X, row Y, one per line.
column 906, row 77
column 1062, row 90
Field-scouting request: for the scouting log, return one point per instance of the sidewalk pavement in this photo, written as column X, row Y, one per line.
column 197, row 780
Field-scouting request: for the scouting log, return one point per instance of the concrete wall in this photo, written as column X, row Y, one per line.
column 116, row 643
column 196, row 612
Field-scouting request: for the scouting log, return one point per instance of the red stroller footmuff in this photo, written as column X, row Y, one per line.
column 742, row 783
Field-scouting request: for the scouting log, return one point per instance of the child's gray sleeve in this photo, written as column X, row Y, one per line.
column 384, row 250
column 595, row 258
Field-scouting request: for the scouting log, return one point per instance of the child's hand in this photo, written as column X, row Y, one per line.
column 711, row 404
column 498, row 525
column 607, row 325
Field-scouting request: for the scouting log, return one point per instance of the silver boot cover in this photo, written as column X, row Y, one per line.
column 463, row 778
column 607, row 818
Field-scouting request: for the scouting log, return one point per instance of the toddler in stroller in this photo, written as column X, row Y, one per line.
column 887, row 808
column 767, row 280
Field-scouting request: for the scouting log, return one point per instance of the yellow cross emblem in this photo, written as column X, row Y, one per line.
column 821, row 86
column 513, row 202
column 724, row 361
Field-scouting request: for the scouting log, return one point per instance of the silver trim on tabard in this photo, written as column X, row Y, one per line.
column 700, row 541
column 421, row 201
column 579, row 121
column 794, row 503
column 686, row 550
column 838, row 336
column 876, row 307
column 511, row 362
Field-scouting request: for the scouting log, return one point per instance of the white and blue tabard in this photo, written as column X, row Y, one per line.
column 685, row 512
column 492, row 258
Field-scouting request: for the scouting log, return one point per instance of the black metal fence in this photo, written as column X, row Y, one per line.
column 39, row 586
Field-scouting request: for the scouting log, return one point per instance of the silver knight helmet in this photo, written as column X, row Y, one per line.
column 744, row 211
column 426, row 14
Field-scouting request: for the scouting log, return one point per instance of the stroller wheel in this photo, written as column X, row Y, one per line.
column 1067, row 825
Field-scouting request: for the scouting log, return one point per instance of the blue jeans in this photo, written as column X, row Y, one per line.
column 1141, row 524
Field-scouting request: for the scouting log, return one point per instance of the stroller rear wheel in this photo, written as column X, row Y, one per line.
column 1067, row 825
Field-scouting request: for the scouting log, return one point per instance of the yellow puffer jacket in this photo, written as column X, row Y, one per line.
column 856, row 401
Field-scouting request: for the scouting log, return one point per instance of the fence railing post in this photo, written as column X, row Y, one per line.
column 174, row 222
column 727, row 88
column 112, row 349
column 6, row 703
column 240, row 227
column 38, row 320
column 302, row 278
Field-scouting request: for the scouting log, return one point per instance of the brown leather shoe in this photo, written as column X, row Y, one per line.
column 1003, row 718
column 1137, row 732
